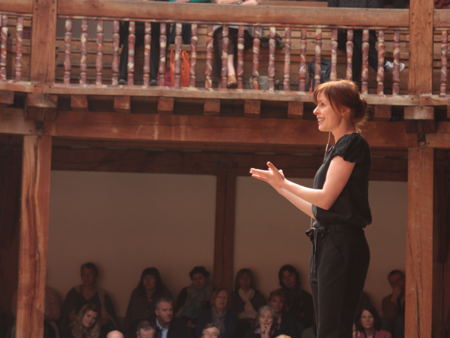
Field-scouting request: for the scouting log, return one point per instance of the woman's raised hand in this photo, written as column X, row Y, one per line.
column 272, row 176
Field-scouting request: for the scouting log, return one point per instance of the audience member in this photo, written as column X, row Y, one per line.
column 89, row 292
column 368, row 324
column 218, row 315
column 284, row 322
column 52, row 312
column 393, row 304
column 245, row 301
column 114, row 334
column 210, row 331
column 143, row 298
column 193, row 299
column 166, row 325
column 85, row 324
column 145, row 330
column 298, row 301
column 232, row 44
column 265, row 327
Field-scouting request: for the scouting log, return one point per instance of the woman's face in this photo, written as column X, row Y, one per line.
column 367, row 320
column 265, row 320
column 89, row 319
column 276, row 303
column 149, row 282
column 88, row 277
column 220, row 303
column 198, row 280
column 327, row 118
column 245, row 281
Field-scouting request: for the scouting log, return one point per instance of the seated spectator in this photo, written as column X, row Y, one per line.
column 232, row 44
column 368, row 324
column 245, row 301
column 114, row 334
column 52, row 312
column 265, row 327
column 393, row 305
column 298, row 302
column 166, row 325
column 193, row 299
column 88, row 292
column 210, row 331
column 218, row 315
column 145, row 330
column 284, row 322
column 143, row 298
column 85, row 324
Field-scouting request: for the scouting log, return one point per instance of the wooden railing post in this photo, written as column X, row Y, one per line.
column 224, row 230
column 420, row 243
column 36, row 168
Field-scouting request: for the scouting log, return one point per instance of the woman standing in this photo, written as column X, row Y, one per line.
column 338, row 204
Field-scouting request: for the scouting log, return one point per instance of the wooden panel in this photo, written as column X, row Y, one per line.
column 122, row 104
column 252, row 108
column 421, row 46
column 43, row 41
column 33, row 236
column 225, row 13
column 211, row 107
column 420, row 243
column 224, row 230
column 18, row 6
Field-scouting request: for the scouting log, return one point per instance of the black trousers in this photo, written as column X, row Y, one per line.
column 338, row 271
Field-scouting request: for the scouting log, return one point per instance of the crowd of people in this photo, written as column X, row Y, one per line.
column 200, row 310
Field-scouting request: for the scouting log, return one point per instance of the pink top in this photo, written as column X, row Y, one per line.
column 378, row 334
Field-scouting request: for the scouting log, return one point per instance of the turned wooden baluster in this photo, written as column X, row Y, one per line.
column 302, row 67
column 255, row 61
column 83, row 58
column 334, row 48
column 287, row 58
column 193, row 56
column 365, row 62
column 349, row 53
column 396, row 72
column 240, row 57
column 380, row 68
column 99, row 59
column 116, row 47
column 162, row 54
column 178, row 42
column 209, row 56
column 225, row 43
column 444, row 53
column 3, row 47
column 147, row 49
column 131, row 43
column 317, row 57
column 19, row 46
column 271, row 68
column 67, row 50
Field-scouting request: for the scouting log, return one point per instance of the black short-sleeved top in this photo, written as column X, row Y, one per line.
column 352, row 205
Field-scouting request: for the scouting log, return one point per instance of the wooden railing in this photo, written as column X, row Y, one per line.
column 87, row 59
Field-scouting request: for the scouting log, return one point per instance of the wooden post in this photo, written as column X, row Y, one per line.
column 420, row 243
column 36, row 167
column 224, row 232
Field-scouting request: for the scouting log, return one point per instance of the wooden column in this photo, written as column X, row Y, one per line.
column 224, row 231
column 420, row 243
column 36, row 168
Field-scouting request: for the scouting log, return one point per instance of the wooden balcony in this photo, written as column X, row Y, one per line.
column 61, row 100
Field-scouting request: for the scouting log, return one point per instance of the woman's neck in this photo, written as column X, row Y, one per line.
column 370, row 333
column 342, row 130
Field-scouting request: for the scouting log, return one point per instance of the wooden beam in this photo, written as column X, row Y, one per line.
column 33, row 235
column 295, row 109
column 122, row 104
column 43, row 41
column 41, row 107
column 6, row 97
column 419, row 113
column 80, row 102
column 166, row 104
column 420, row 46
column 252, row 108
column 420, row 243
column 12, row 121
column 382, row 113
column 211, row 107
column 17, row 6
column 227, row 14
column 224, row 230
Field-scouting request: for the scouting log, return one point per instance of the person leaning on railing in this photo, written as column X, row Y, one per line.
column 232, row 45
